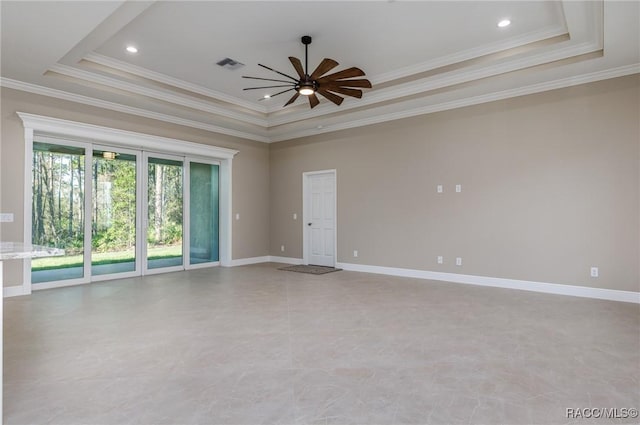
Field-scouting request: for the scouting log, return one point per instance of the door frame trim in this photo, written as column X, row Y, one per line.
column 306, row 208
column 89, row 135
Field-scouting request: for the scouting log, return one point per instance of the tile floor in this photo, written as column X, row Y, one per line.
column 255, row 345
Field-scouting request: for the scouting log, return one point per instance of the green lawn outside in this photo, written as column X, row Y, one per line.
column 98, row 258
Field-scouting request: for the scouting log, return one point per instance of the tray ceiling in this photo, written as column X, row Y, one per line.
column 420, row 56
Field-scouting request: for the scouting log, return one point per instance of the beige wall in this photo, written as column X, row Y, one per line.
column 550, row 187
column 250, row 167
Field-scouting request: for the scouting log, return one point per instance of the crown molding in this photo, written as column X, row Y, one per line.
column 524, row 39
column 489, row 97
column 175, row 82
column 90, row 101
column 156, row 94
column 444, row 80
column 470, row 101
column 469, row 54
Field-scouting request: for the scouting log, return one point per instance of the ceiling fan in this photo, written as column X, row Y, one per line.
column 329, row 86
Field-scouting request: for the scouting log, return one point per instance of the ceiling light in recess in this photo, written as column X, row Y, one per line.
column 504, row 23
column 266, row 96
column 132, row 49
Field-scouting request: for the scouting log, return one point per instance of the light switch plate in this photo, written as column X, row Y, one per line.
column 439, row 188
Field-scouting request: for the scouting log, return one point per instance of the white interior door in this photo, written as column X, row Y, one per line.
column 320, row 218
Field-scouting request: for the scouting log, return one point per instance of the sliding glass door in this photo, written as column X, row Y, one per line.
column 58, row 210
column 164, row 212
column 147, row 212
column 114, row 211
column 204, row 219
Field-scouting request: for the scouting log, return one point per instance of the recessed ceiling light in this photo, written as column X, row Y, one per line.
column 266, row 96
column 132, row 49
column 504, row 23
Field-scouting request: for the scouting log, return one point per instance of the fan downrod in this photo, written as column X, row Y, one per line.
column 306, row 40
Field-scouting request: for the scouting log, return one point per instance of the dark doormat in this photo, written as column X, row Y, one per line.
column 310, row 269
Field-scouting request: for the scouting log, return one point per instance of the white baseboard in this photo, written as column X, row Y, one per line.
column 526, row 285
column 265, row 259
column 251, row 260
column 285, row 260
column 497, row 282
column 13, row 291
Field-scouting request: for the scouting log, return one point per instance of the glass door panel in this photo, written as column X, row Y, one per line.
column 164, row 215
column 203, row 213
column 113, row 225
column 58, row 211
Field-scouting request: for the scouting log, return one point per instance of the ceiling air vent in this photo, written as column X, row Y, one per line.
column 229, row 63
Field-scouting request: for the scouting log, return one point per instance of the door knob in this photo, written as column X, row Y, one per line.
column 308, row 224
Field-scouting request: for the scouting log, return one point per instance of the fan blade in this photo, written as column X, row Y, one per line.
column 332, row 97
column 297, row 65
column 274, row 95
column 345, row 73
column 293, row 99
column 267, row 87
column 266, row 79
column 343, row 90
column 349, row 83
column 325, row 66
column 313, row 100
column 278, row 72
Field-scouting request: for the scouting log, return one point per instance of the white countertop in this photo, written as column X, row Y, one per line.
column 16, row 250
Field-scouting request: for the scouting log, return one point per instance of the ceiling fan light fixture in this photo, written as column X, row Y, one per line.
column 306, row 91
column 306, row 88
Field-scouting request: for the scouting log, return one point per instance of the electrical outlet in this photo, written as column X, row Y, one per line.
column 595, row 272
column 440, row 259
column 355, row 252
column 458, row 188
column 458, row 261
column 295, row 216
column 439, row 188
column 237, row 216
column 282, row 248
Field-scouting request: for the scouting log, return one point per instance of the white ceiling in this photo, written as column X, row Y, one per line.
column 420, row 56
